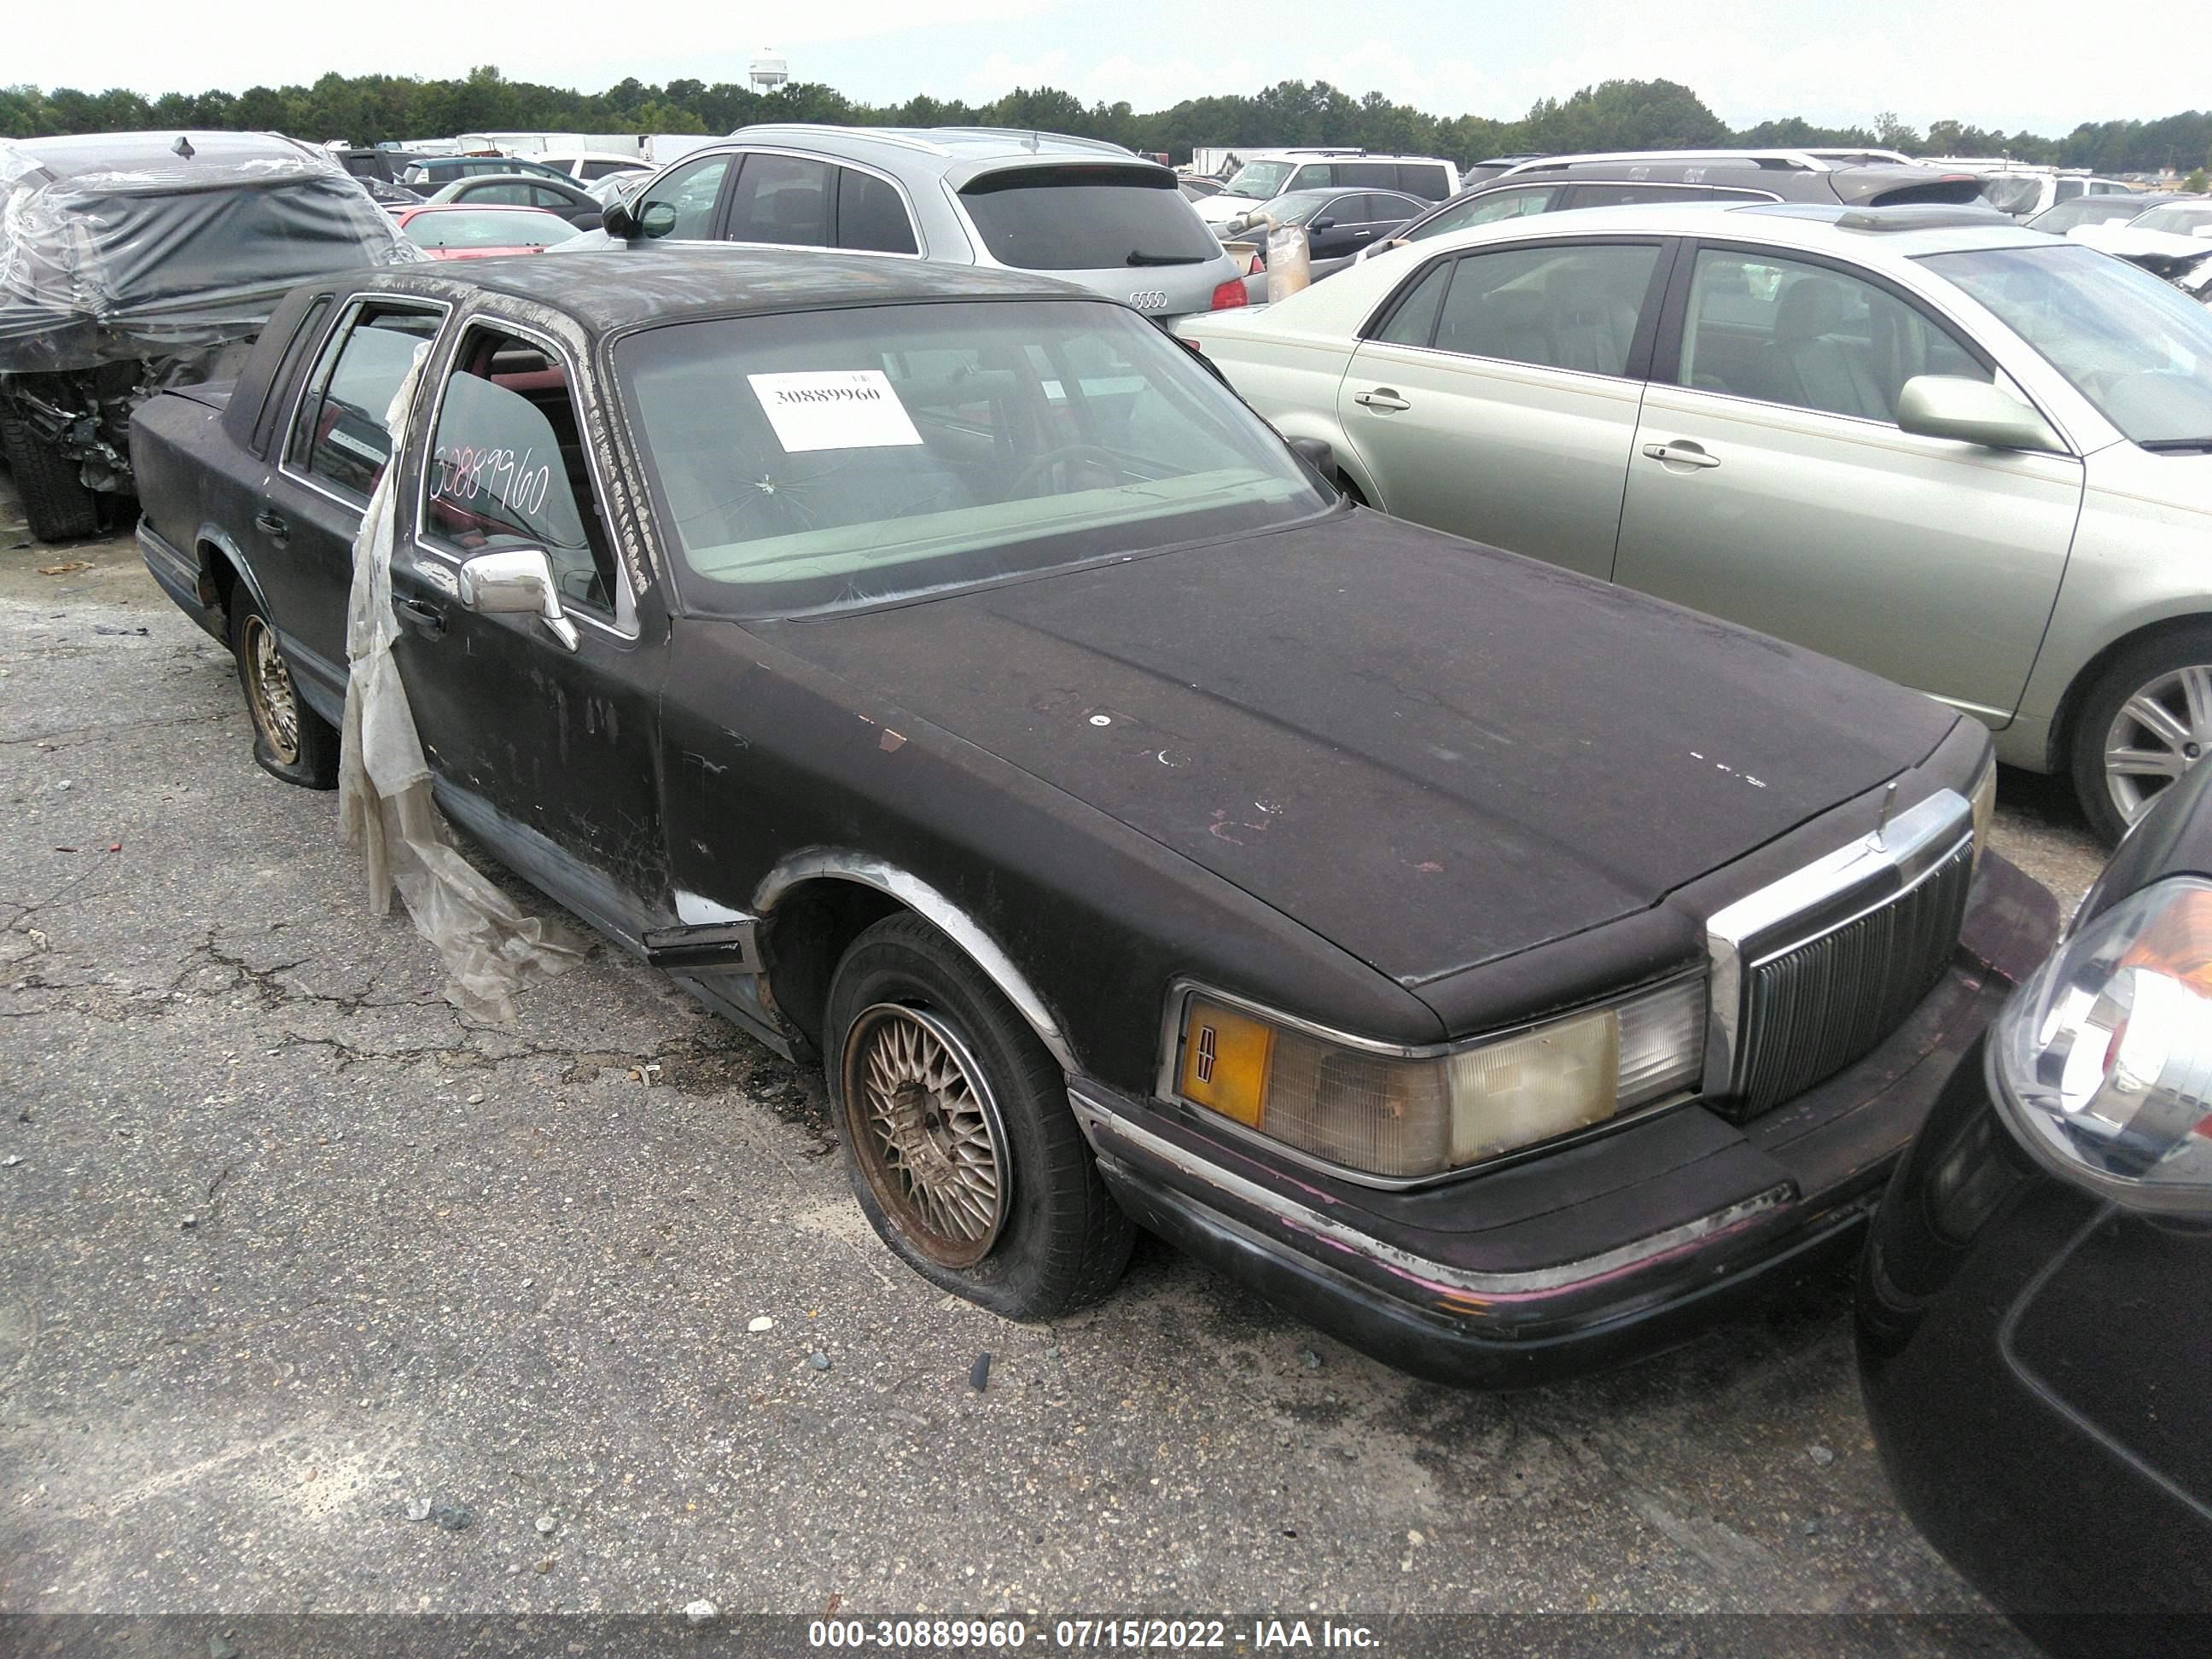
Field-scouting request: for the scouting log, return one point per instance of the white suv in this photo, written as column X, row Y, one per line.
column 1268, row 174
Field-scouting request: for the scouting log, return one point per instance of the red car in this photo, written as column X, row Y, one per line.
column 455, row 231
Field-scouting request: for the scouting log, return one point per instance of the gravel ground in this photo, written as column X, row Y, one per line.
column 295, row 1253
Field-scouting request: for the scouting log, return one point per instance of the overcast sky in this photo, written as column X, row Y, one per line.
column 2038, row 64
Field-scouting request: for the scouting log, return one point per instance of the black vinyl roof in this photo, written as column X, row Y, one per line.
column 611, row 289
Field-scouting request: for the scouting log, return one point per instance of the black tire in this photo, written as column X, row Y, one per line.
column 56, row 504
column 1057, row 1240
column 2137, row 668
column 302, row 749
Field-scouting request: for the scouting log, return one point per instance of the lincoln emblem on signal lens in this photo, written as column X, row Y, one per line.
column 1206, row 1054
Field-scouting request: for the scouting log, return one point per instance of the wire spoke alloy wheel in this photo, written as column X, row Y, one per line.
column 926, row 1132
column 269, row 689
column 2159, row 734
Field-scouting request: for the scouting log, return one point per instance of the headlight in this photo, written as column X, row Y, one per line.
column 1403, row 1116
column 2102, row 1061
column 1983, row 793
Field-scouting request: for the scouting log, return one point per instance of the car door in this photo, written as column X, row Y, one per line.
column 544, row 746
column 335, row 449
column 1772, row 485
column 1497, row 397
column 1341, row 227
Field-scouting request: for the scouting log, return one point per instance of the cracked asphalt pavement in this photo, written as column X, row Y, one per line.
column 292, row 1249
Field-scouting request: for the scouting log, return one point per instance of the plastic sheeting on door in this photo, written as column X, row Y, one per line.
column 155, row 254
column 491, row 948
column 1290, row 261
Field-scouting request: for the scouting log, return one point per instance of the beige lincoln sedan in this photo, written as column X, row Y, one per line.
column 1972, row 457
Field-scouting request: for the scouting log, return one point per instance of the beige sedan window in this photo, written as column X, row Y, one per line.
column 1785, row 332
column 1559, row 308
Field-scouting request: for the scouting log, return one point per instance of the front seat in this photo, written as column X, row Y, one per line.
column 1591, row 326
column 1809, row 364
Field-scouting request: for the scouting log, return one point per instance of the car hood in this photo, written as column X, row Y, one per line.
column 1431, row 752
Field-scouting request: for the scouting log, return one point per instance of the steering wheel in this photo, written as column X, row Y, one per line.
column 1092, row 455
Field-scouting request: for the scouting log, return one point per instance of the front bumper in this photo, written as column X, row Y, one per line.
column 1600, row 1252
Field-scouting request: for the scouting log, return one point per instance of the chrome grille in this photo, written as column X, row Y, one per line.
column 1814, row 1008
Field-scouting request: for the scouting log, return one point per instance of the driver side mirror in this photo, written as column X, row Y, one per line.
column 1324, row 224
column 516, row 581
column 1972, row 412
column 628, row 224
column 1318, row 453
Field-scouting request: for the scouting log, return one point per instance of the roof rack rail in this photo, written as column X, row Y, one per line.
column 1921, row 216
column 1800, row 160
column 904, row 138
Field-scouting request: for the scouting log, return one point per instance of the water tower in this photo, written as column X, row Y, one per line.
column 769, row 70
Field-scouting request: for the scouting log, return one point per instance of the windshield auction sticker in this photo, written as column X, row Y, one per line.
column 837, row 409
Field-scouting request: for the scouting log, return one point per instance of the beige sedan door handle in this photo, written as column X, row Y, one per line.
column 1682, row 453
column 1381, row 398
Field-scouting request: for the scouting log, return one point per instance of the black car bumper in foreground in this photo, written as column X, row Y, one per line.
column 1598, row 1252
column 2035, row 1364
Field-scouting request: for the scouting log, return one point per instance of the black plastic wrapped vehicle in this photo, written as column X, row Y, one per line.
column 135, row 261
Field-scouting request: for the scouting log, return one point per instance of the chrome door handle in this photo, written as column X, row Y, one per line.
column 1380, row 397
column 428, row 620
column 1682, row 453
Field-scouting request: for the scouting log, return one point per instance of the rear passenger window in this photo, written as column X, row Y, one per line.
column 508, row 467
column 1424, row 180
column 1376, row 174
column 1805, row 336
column 1556, row 307
column 1415, row 320
column 783, row 199
column 340, row 437
column 871, row 215
column 499, row 195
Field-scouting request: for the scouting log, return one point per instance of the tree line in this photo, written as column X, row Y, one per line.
column 368, row 109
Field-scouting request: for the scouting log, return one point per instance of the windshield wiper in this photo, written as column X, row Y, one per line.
column 2175, row 446
column 1140, row 257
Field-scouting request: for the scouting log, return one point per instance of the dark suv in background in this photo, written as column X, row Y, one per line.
column 1556, row 184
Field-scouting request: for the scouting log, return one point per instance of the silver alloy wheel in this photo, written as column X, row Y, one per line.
column 269, row 691
column 2160, row 732
column 926, row 1132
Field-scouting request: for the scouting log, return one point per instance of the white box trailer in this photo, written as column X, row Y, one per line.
column 1219, row 161
column 537, row 143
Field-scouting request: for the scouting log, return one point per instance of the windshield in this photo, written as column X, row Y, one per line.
column 1258, row 180
column 488, row 227
column 1086, row 218
column 2183, row 219
column 817, row 460
column 2086, row 210
column 2138, row 349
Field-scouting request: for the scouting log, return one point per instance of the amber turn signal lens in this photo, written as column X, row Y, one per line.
column 1225, row 1056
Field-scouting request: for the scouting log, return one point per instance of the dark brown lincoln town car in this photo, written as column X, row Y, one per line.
column 937, row 672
